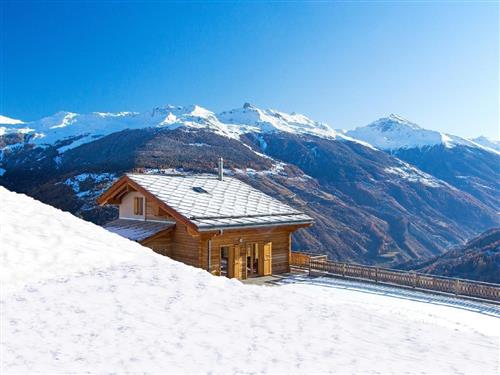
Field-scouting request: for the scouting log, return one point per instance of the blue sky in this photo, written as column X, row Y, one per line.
column 345, row 63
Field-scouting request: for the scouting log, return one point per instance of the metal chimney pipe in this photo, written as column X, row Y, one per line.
column 221, row 169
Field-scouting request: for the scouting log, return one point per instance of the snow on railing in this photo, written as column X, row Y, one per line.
column 319, row 264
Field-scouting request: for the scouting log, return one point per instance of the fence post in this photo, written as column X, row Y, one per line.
column 309, row 267
column 376, row 274
column 457, row 287
column 343, row 269
column 414, row 279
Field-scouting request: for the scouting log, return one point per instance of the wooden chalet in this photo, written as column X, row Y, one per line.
column 217, row 223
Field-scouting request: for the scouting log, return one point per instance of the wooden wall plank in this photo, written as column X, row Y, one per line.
column 186, row 248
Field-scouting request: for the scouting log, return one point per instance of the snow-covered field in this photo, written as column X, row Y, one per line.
column 76, row 298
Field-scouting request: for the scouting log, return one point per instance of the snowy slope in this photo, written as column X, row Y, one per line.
column 270, row 120
column 6, row 124
column 487, row 142
column 394, row 132
column 84, row 128
column 77, row 298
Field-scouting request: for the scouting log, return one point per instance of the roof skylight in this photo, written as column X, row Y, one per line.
column 199, row 189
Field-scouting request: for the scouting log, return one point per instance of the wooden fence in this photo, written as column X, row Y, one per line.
column 302, row 259
column 459, row 287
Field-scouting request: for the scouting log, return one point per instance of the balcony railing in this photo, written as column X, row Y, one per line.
column 320, row 265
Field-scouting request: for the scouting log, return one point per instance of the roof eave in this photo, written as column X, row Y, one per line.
column 125, row 179
column 298, row 224
column 108, row 194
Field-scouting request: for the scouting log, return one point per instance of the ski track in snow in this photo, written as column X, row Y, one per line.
column 76, row 298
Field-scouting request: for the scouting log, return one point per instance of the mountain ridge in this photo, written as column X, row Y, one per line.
column 387, row 133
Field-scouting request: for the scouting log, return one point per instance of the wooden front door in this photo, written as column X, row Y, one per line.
column 235, row 262
column 265, row 259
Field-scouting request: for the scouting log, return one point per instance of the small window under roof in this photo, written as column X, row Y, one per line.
column 199, row 189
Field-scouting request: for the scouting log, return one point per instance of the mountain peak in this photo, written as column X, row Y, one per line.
column 192, row 110
column 394, row 132
column 398, row 118
column 392, row 122
column 199, row 111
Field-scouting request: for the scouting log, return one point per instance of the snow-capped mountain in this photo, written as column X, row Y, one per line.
column 71, row 130
column 250, row 117
column 395, row 132
column 468, row 165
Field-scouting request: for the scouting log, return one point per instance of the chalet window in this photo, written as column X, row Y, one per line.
column 138, row 206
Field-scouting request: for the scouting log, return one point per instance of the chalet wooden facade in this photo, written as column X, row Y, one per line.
column 219, row 224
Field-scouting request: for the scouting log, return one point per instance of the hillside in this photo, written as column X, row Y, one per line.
column 80, row 299
column 478, row 259
column 473, row 170
column 369, row 207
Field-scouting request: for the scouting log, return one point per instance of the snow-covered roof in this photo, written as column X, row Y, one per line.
column 210, row 203
column 137, row 230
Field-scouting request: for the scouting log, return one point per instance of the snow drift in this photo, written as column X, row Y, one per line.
column 76, row 298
